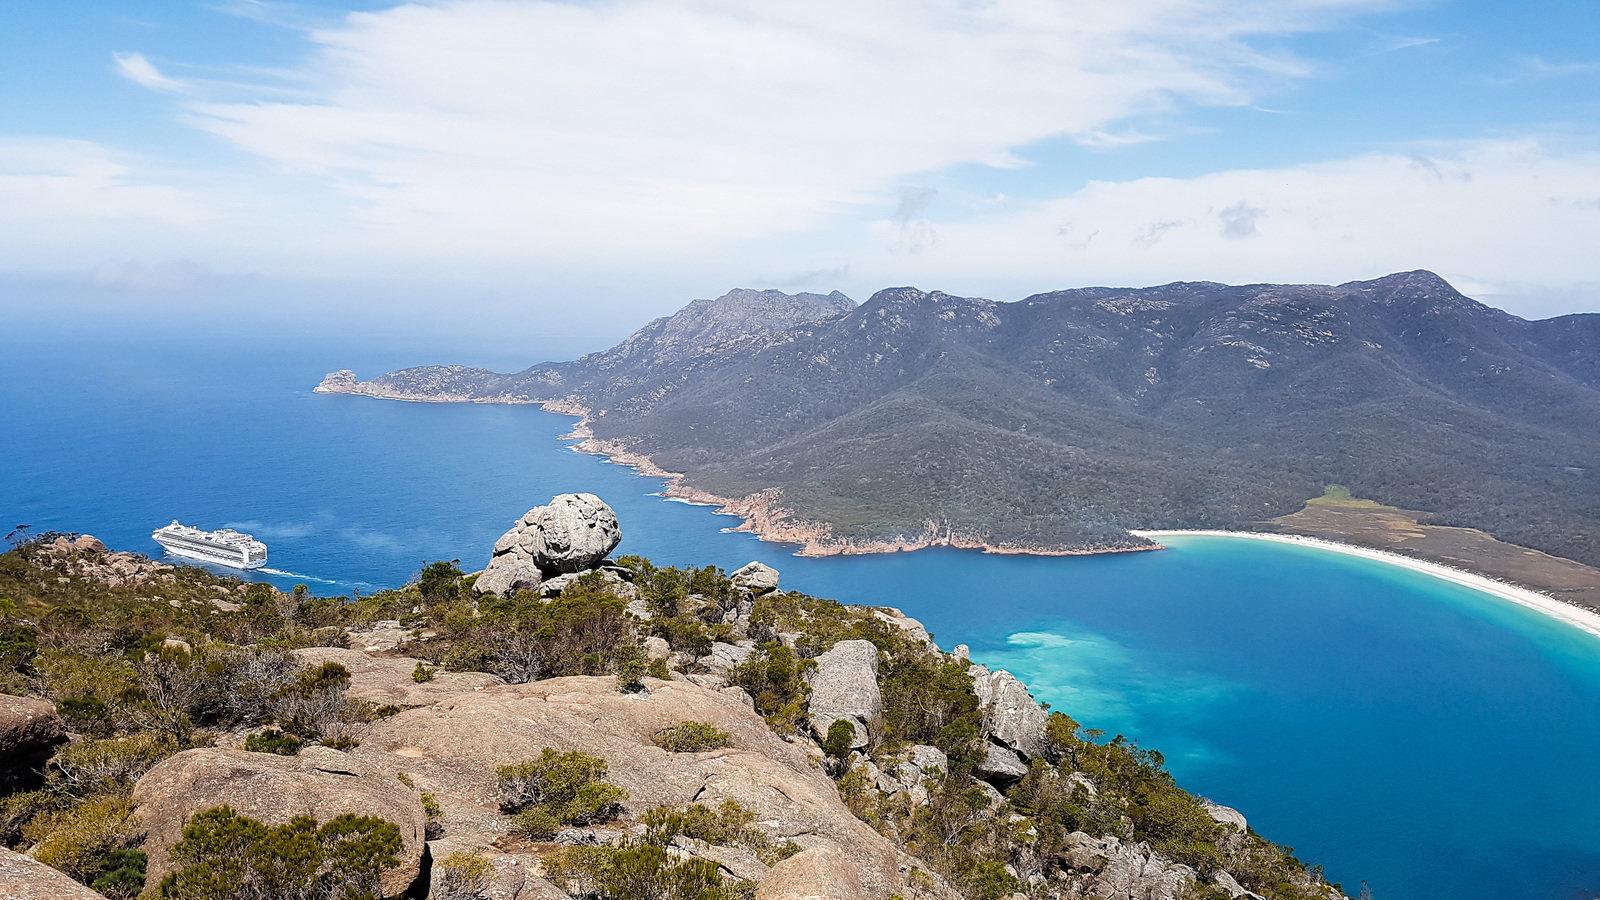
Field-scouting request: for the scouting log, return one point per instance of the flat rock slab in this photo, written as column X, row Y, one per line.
column 453, row 748
column 387, row 680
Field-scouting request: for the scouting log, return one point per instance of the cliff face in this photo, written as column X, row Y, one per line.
column 1065, row 419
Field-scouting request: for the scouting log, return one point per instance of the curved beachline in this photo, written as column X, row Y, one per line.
column 1572, row 615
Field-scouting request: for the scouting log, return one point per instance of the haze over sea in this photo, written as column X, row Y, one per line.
column 1418, row 735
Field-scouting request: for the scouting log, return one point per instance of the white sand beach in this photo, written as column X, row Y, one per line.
column 1566, row 612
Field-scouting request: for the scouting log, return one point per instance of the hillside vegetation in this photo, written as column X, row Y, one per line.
column 1065, row 419
column 628, row 732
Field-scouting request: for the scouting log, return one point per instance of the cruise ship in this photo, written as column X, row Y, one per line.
column 225, row 547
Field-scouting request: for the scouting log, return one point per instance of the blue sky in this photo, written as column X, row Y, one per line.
column 637, row 154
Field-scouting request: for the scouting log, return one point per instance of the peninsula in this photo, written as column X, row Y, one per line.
column 1067, row 421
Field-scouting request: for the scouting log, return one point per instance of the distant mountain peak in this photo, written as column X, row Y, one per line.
column 1414, row 282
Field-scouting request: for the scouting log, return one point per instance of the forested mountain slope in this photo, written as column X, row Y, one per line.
column 1064, row 419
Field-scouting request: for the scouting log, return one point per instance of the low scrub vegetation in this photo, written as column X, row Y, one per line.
column 224, row 855
column 558, row 789
column 691, row 737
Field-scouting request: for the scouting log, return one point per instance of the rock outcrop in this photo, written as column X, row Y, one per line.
column 507, row 574
column 320, row 782
column 29, row 729
column 572, row 533
column 755, row 578
column 24, row 878
column 1226, row 815
column 380, row 636
column 452, row 749
column 1001, row 764
column 1011, row 717
column 844, row 685
column 1111, row 868
column 816, row 874
column 387, row 680
column 86, row 556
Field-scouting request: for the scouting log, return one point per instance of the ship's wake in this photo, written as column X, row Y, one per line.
column 266, row 570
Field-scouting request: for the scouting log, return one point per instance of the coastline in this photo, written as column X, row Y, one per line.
column 1567, row 613
column 762, row 515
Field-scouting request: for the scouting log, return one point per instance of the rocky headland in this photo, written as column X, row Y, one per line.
column 562, row 724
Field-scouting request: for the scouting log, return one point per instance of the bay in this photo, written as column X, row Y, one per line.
column 1421, row 736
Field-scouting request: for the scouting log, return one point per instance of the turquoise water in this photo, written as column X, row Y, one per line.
column 1428, row 739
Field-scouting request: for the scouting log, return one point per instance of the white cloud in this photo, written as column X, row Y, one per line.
column 552, row 130
column 141, row 71
column 61, row 198
column 719, row 140
column 1496, row 217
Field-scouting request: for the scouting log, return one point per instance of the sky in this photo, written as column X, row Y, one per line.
column 528, row 164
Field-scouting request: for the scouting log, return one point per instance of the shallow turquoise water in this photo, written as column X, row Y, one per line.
column 1426, row 738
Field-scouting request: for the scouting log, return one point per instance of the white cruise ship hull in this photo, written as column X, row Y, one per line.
column 232, row 562
column 223, row 547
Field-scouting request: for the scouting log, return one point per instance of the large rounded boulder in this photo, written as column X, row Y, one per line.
column 29, row 729
column 571, row 533
column 320, row 782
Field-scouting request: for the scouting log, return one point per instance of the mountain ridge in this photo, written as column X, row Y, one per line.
column 1064, row 420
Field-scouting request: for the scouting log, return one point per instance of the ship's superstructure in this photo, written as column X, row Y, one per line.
column 225, row 547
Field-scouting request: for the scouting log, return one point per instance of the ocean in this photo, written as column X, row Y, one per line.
column 1400, row 730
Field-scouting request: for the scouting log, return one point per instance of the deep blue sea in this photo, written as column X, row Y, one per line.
column 1435, row 742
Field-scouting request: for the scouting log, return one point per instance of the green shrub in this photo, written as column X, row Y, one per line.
column 729, row 825
column 272, row 740
column 658, row 669
column 224, row 855
column 314, row 702
column 342, row 742
column 19, row 644
column 570, row 787
column 109, row 764
column 463, row 875
column 639, row 871
column 631, row 669
column 841, row 735
column 431, row 810
column 987, row 879
column 122, row 874
column 79, row 839
column 90, row 690
column 585, row 631
column 19, row 810
column 536, row 823
column 439, row 581
column 422, row 674
column 930, row 700
column 691, row 737
column 775, row 679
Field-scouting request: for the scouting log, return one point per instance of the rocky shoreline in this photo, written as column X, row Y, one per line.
column 760, row 513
